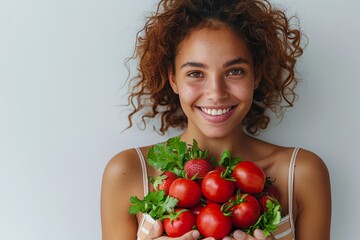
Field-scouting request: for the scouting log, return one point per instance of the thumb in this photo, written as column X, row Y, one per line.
column 191, row 235
column 240, row 235
column 157, row 230
column 258, row 234
column 149, row 228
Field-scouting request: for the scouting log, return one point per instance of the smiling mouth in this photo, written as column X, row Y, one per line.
column 216, row 112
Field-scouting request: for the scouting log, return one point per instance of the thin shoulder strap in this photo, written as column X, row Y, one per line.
column 291, row 187
column 144, row 171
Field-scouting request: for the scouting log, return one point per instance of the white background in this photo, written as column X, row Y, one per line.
column 61, row 72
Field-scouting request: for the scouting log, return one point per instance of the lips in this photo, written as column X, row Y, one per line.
column 216, row 115
column 215, row 111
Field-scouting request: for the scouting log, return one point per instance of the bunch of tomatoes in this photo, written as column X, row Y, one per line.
column 213, row 197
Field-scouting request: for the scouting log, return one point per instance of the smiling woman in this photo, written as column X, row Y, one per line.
column 214, row 79
column 213, row 68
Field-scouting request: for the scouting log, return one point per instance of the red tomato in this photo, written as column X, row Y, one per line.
column 211, row 222
column 263, row 199
column 215, row 188
column 196, row 209
column 165, row 181
column 246, row 211
column 183, row 223
column 187, row 191
column 250, row 178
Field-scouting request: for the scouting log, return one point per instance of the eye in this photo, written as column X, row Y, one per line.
column 235, row 72
column 195, row 74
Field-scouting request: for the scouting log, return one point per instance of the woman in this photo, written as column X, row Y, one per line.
column 212, row 68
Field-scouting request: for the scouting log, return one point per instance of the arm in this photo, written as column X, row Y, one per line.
column 122, row 179
column 313, row 198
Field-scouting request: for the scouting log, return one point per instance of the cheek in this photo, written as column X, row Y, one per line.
column 242, row 91
column 188, row 93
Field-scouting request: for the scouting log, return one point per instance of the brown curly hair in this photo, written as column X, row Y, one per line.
column 271, row 38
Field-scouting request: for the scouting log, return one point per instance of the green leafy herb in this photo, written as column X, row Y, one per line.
column 269, row 220
column 156, row 204
column 229, row 163
column 227, row 160
column 168, row 156
column 194, row 152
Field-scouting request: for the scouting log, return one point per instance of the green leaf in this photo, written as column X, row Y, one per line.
column 168, row 156
column 269, row 220
column 169, row 204
column 194, row 152
column 156, row 204
column 137, row 205
column 177, row 147
column 227, row 160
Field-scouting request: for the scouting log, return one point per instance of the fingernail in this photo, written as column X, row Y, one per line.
column 239, row 234
column 259, row 234
column 195, row 234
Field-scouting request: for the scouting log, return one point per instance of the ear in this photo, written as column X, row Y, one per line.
column 171, row 76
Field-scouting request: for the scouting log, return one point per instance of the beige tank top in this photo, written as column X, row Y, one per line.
column 286, row 230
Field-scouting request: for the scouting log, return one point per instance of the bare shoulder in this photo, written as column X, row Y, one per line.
column 310, row 170
column 310, row 167
column 307, row 162
column 123, row 176
column 123, row 164
column 311, row 177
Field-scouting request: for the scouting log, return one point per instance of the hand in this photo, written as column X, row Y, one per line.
column 240, row 235
column 157, row 232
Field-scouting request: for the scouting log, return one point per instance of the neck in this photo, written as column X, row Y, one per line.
column 238, row 143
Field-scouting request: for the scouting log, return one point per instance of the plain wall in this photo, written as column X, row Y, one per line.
column 61, row 73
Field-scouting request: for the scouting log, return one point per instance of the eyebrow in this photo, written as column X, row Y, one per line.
column 194, row 64
column 239, row 60
column 229, row 63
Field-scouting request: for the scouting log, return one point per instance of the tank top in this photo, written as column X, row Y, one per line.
column 286, row 227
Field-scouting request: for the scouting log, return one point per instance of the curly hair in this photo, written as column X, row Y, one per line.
column 271, row 38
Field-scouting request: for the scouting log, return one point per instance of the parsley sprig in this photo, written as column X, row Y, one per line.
column 156, row 204
column 168, row 156
column 269, row 220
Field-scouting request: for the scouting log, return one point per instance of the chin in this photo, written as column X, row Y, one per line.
column 216, row 134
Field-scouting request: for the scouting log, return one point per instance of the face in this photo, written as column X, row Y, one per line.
column 214, row 78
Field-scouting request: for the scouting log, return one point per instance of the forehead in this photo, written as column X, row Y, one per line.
column 212, row 44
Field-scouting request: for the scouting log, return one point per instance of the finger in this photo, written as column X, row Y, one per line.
column 259, row 234
column 156, row 231
column 192, row 235
column 240, row 235
column 228, row 238
column 208, row 238
column 149, row 228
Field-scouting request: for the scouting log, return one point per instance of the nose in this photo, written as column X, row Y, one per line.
column 216, row 89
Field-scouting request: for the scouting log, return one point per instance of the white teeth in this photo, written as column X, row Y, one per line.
column 215, row 112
